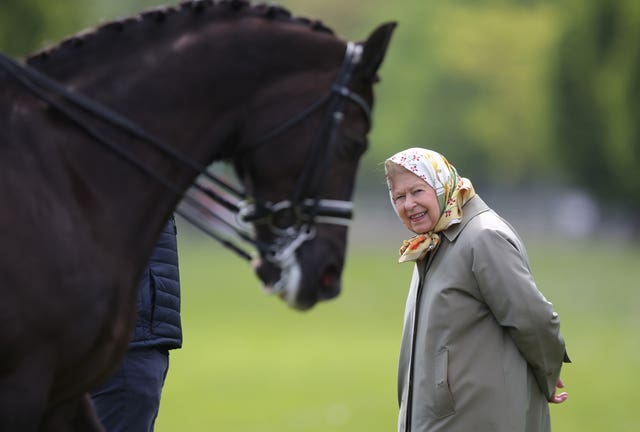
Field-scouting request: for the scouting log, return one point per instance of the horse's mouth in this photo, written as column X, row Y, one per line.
column 288, row 283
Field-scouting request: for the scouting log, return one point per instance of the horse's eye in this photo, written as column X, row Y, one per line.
column 355, row 144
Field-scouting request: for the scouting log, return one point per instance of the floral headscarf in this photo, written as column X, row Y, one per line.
column 452, row 192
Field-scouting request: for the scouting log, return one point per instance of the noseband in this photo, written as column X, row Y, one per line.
column 292, row 221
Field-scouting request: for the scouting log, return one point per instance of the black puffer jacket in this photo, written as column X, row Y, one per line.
column 159, row 301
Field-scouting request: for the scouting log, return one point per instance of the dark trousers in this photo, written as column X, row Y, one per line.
column 129, row 400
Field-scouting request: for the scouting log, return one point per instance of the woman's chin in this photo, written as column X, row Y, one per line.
column 420, row 228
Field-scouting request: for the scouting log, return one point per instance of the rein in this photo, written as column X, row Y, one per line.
column 39, row 84
column 304, row 208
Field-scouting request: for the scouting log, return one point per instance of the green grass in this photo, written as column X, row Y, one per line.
column 251, row 364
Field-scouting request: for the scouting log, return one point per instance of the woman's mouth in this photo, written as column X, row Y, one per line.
column 417, row 217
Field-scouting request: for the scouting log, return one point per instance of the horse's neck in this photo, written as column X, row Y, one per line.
column 175, row 96
column 132, row 198
column 180, row 106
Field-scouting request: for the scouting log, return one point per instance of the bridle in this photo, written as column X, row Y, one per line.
column 293, row 220
column 302, row 211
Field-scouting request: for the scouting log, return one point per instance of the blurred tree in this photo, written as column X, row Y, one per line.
column 344, row 18
column 27, row 25
column 597, row 99
column 468, row 78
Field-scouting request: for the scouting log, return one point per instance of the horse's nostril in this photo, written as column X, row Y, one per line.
column 328, row 279
column 330, row 286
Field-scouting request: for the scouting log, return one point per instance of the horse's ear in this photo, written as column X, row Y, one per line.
column 374, row 49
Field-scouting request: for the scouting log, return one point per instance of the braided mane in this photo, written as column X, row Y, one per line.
column 214, row 8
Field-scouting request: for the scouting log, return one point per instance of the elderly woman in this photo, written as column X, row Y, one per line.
column 481, row 348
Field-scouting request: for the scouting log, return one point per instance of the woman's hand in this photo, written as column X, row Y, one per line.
column 559, row 398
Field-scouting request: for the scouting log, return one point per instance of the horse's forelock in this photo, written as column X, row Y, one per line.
column 160, row 14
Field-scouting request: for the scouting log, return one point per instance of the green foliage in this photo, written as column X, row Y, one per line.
column 30, row 25
column 468, row 80
column 250, row 364
column 597, row 92
column 26, row 25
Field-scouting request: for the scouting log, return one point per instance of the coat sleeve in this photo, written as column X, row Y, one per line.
column 501, row 268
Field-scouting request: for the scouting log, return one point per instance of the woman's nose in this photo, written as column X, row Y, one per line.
column 409, row 202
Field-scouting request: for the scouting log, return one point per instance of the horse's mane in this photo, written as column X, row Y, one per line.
column 162, row 13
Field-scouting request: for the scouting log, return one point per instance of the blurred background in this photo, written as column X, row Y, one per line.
column 538, row 102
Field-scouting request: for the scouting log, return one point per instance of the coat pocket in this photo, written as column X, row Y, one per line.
column 443, row 399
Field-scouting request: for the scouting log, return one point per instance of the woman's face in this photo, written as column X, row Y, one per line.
column 415, row 201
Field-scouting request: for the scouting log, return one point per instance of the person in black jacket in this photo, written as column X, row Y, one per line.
column 129, row 400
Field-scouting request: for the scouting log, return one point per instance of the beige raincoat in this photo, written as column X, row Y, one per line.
column 482, row 350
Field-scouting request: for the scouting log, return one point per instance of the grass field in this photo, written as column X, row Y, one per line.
column 250, row 364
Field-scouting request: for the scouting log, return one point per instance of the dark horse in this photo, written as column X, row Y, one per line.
column 96, row 158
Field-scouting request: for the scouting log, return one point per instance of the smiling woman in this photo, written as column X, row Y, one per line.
column 481, row 348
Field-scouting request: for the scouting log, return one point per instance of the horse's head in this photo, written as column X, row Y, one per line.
column 305, row 149
column 284, row 98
